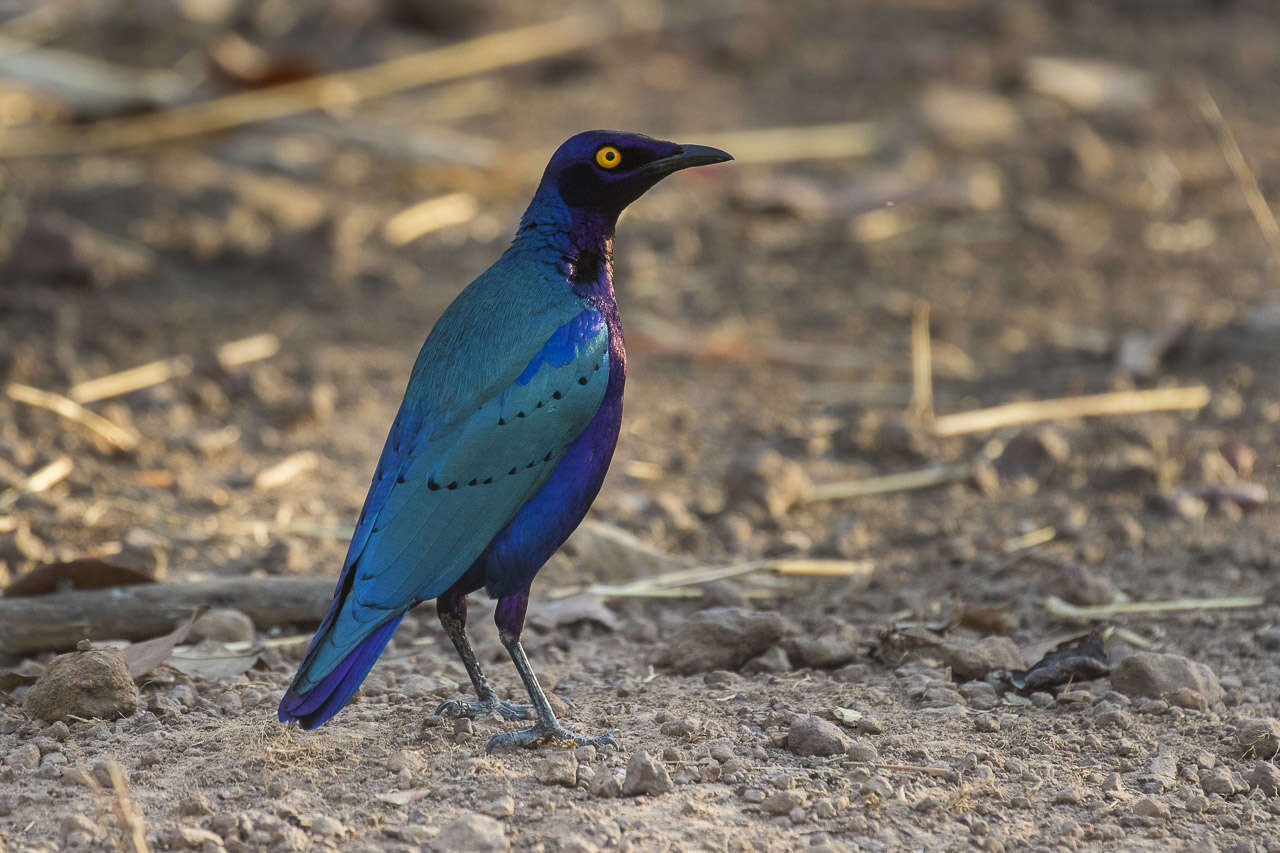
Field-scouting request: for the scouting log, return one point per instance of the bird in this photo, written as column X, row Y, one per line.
column 500, row 445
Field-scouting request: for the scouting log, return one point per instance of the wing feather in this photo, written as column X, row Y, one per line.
column 444, row 487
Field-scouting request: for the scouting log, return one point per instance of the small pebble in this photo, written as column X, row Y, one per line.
column 646, row 776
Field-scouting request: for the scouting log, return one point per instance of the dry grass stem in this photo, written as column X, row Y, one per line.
column 921, row 363
column 134, row 379
column 330, row 91
column 1060, row 609
column 126, row 813
column 912, row 768
column 121, row 438
column 1030, row 539
column 1239, row 166
column 285, row 470
column 234, row 354
column 47, row 477
column 923, row 478
column 430, row 215
column 677, row 584
column 1063, row 408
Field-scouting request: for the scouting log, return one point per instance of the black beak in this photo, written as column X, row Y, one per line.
column 687, row 157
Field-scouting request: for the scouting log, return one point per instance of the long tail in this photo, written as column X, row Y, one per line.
column 321, row 701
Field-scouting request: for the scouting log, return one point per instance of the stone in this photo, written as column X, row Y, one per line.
column 1218, row 781
column 1160, row 676
column 811, row 735
column 560, row 767
column 1080, row 585
column 1259, row 738
column 223, row 625
column 1033, row 452
column 646, row 776
column 831, row 644
column 1132, row 468
column 605, row 784
column 326, row 826
column 194, row 838
column 863, row 751
column 503, row 805
column 1151, row 807
column 721, row 638
column 85, row 684
column 1264, row 777
column 78, row 823
column 472, row 832
column 782, row 802
column 195, row 805
column 23, row 759
column 972, row 660
column 766, row 479
column 1178, row 503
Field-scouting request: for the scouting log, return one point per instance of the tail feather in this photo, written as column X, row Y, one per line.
column 320, row 702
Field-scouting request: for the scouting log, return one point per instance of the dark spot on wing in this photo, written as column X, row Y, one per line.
column 556, row 395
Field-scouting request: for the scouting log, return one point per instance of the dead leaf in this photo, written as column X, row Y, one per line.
column 1077, row 659
column 147, row 655
column 212, row 661
column 846, row 716
column 24, row 673
column 404, row 798
column 87, row 573
column 583, row 607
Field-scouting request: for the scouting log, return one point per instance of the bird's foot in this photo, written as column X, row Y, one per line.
column 542, row 733
column 492, row 705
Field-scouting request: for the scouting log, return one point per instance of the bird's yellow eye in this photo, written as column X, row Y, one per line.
column 608, row 157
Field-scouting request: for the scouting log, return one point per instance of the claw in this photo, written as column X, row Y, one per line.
column 493, row 705
column 546, row 734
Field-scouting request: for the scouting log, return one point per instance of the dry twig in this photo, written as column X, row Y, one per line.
column 429, row 215
column 1239, row 166
column 1061, row 408
column 235, row 354
column 122, row 438
column 134, row 379
column 921, row 363
column 279, row 474
column 48, row 476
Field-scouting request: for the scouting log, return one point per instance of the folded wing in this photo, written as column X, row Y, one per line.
column 448, row 482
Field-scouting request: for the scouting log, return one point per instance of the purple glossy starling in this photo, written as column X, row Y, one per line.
column 502, row 441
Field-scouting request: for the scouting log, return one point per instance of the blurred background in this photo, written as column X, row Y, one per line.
column 263, row 207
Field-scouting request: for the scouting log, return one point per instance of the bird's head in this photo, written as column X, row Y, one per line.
column 604, row 170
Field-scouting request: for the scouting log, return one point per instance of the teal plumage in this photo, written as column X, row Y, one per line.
column 507, row 426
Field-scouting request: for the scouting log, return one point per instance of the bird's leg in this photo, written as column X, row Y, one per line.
column 509, row 616
column 451, row 607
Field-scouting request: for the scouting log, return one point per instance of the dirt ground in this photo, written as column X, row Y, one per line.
column 1073, row 227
